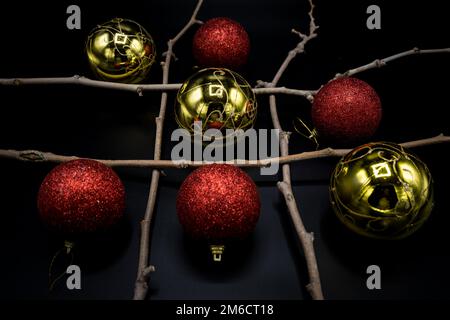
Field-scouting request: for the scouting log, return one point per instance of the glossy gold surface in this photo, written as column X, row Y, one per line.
column 380, row 190
column 120, row 50
column 220, row 98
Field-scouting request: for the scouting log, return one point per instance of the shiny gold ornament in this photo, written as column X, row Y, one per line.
column 219, row 98
column 380, row 190
column 120, row 50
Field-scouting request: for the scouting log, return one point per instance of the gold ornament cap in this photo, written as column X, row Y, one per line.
column 217, row 252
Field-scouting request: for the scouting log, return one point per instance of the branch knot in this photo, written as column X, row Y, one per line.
column 32, row 155
column 263, row 84
column 172, row 55
column 380, row 63
column 285, row 134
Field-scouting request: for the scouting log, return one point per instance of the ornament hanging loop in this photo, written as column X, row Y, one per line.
column 68, row 246
column 68, row 252
column 311, row 134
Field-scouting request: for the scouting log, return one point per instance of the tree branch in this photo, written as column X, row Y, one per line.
column 300, row 48
column 261, row 87
column 378, row 63
column 40, row 156
column 136, row 88
column 82, row 81
column 306, row 239
column 141, row 286
column 308, row 94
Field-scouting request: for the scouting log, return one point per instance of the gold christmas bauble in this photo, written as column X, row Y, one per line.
column 380, row 190
column 120, row 50
column 219, row 98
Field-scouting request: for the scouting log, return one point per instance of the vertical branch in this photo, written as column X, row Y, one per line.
column 144, row 269
column 306, row 239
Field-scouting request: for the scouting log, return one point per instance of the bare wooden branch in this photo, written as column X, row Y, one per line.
column 260, row 88
column 136, row 88
column 306, row 239
column 308, row 94
column 40, row 156
column 426, row 142
column 141, row 286
column 83, row 81
column 378, row 63
column 300, row 46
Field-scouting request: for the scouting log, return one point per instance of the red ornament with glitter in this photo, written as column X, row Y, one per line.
column 346, row 110
column 221, row 42
column 81, row 196
column 218, row 202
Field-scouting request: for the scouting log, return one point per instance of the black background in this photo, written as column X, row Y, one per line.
column 99, row 123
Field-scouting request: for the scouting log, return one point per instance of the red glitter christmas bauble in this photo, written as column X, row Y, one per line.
column 218, row 202
column 221, row 42
column 346, row 110
column 81, row 196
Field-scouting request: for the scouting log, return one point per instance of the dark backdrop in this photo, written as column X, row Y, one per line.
column 99, row 123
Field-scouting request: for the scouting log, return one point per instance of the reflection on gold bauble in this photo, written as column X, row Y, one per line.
column 120, row 50
column 380, row 190
column 219, row 98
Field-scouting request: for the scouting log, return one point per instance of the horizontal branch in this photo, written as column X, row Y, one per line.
column 378, row 63
column 137, row 88
column 83, row 81
column 39, row 156
column 267, row 88
column 283, row 90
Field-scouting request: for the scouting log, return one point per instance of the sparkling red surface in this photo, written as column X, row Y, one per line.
column 81, row 196
column 346, row 109
column 221, row 42
column 218, row 201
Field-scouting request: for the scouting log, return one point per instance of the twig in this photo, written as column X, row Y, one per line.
column 40, row 156
column 141, row 286
column 306, row 238
column 260, row 88
column 426, row 142
column 83, row 81
column 136, row 88
column 378, row 63
column 308, row 94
